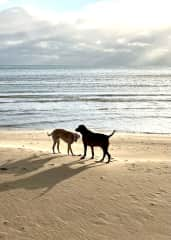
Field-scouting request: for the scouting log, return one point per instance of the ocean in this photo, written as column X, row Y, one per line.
column 47, row 97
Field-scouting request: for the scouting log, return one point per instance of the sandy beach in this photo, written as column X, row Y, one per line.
column 55, row 196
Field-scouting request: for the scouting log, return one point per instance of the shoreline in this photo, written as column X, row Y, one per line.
column 95, row 130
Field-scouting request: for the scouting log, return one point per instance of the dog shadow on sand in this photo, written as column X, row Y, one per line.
column 26, row 165
column 48, row 177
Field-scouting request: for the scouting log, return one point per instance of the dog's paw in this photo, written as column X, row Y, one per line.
column 108, row 162
column 98, row 161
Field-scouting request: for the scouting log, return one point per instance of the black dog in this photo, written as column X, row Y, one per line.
column 94, row 139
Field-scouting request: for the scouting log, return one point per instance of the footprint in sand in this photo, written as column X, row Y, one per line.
column 162, row 190
column 5, row 222
column 102, row 177
column 132, row 167
column 153, row 204
column 101, row 219
column 134, row 197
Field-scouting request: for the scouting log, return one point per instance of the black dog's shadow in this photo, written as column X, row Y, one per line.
column 48, row 178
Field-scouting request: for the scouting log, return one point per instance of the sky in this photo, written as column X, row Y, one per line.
column 57, row 5
column 89, row 33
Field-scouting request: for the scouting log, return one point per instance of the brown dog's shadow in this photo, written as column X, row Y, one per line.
column 49, row 177
column 26, row 165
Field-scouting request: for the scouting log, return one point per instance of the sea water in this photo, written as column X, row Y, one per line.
column 47, row 97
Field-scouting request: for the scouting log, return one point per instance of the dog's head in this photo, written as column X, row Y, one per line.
column 81, row 128
column 76, row 137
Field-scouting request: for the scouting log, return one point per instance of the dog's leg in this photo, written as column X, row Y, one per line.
column 53, row 147
column 92, row 151
column 104, row 153
column 101, row 160
column 69, row 147
column 108, row 157
column 58, row 142
column 85, row 151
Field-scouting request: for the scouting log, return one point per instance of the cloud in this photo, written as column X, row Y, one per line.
column 127, row 15
column 3, row 1
column 82, row 39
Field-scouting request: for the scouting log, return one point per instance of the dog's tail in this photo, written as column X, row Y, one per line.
column 111, row 133
column 49, row 134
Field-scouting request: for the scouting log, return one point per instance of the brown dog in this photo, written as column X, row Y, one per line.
column 66, row 136
column 94, row 139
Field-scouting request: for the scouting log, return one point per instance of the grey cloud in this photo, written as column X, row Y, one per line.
column 39, row 42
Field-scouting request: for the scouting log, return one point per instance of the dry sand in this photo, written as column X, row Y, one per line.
column 59, row 197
